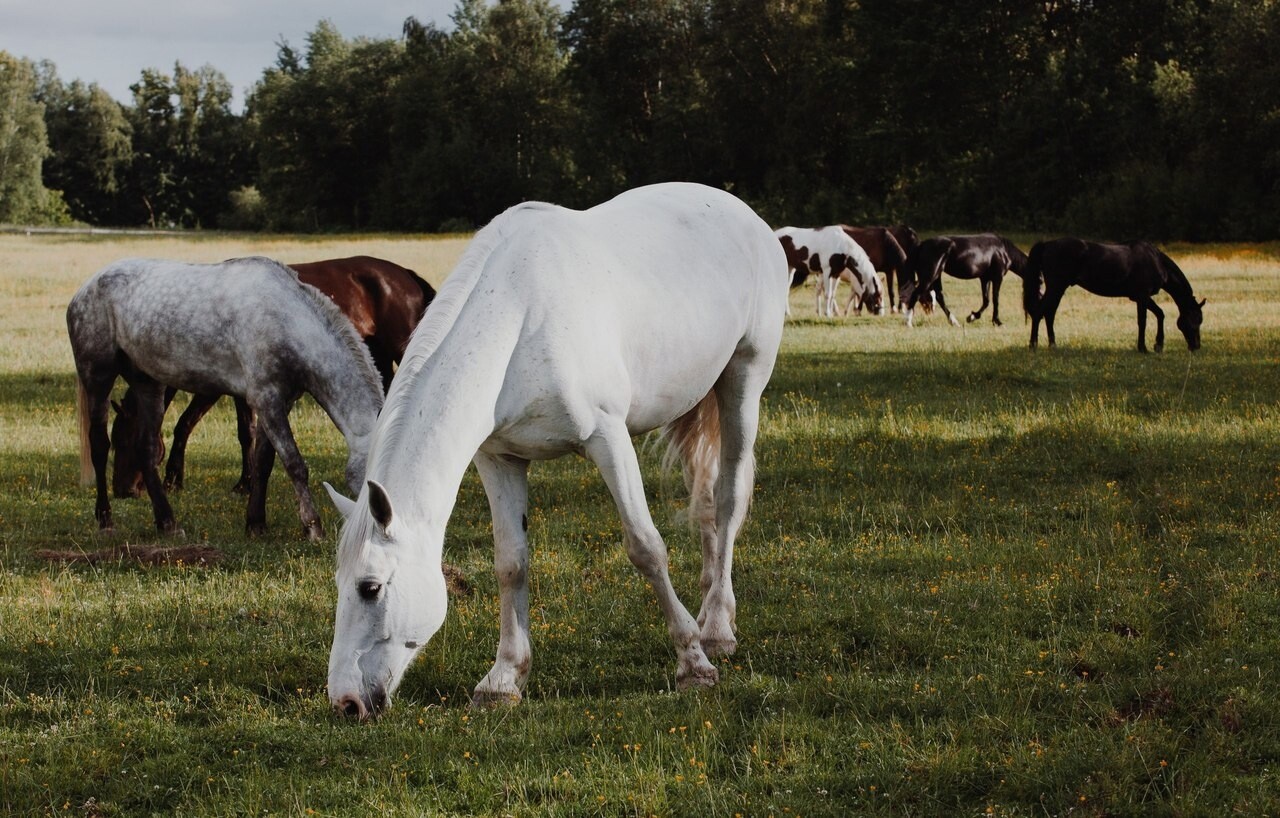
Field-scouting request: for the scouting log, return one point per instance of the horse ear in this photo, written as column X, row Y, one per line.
column 342, row 504
column 379, row 505
column 1202, row 301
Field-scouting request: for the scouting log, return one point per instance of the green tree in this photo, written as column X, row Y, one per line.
column 23, row 147
column 91, row 148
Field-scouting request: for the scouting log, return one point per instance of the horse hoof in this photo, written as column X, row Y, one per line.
column 715, row 648
column 706, row 676
column 314, row 532
column 255, row 529
column 973, row 316
column 493, row 699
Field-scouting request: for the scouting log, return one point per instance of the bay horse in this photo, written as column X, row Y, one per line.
column 246, row 327
column 383, row 301
column 1136, row 270
column 885, row 253
column 833, row 256
column 564, row 331
column 985, row 256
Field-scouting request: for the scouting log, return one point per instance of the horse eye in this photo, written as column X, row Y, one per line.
column 369, row 590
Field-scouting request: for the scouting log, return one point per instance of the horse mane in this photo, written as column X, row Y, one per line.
column 342, row 327
column 1176, row 283
column 440, row 318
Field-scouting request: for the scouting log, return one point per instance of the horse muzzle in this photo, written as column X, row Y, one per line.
column 360, row 706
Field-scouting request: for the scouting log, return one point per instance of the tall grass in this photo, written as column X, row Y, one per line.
column 976, row 580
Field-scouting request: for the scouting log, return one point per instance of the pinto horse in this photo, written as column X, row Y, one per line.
column 1136, row 271
column 383, row 301
column 246, row 327
column 833, row 256
column 885, row 252
column 559, row 332
column 986, row 257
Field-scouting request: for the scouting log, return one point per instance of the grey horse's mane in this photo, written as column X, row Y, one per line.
column 335, row 319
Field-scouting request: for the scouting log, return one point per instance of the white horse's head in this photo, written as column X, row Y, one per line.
column 391, row 600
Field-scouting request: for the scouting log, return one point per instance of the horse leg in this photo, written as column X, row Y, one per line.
column 196, row 409
column 1049, row 309
column 506, row 484
column 1148, row 304
column 610, row 448
column 942, row 302
column 150, row 405
column 246, row 426
column 738, row 394
column 96, row 395
column 273, row 428
column 995, row 300
column 986, row 299
column 818, row 290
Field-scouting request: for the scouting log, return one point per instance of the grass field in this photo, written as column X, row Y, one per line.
column 976, row 581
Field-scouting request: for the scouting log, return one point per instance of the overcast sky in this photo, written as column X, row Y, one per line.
column 110, row 41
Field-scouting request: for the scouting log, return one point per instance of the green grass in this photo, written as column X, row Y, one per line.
column 975, row 580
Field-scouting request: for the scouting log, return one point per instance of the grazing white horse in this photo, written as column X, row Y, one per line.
column 834, row 256
column 560, row 332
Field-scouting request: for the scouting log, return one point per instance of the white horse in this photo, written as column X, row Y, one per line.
column 560, row 332
column 834, row 256
column 246, row 327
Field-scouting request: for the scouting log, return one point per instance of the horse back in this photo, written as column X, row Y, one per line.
column 1129, row 270
column 383, row 300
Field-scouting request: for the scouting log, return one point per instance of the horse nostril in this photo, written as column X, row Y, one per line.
column 350, row 706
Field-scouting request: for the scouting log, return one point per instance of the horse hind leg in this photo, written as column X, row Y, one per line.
column 150, row 406
column 610, row 448
column 506, row 485
column 93, row 397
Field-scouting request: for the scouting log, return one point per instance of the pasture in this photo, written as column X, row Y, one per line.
column 976, row 580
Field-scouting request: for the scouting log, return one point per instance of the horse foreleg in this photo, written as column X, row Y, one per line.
column 942, row 302
column 273, row 429
column 506, row 485
column 610, row 448
column 1146, row 303
column 175, row 468
column 819, row 292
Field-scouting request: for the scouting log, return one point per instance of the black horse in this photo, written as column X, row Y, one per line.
column 986, row 257
column 1136, row 271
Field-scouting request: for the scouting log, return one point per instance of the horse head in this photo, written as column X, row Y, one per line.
column 126, row 469
column 1189, row 320
column 392, row 599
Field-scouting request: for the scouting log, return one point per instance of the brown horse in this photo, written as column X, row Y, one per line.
column 384, row 302
column 887, row 254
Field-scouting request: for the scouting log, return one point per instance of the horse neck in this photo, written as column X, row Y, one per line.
column 1177, row 286
column 349, row 390
column 440, row 410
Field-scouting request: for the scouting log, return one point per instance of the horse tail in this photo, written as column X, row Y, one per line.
column 1032, row 278
column 694, row 438
column 87, row 473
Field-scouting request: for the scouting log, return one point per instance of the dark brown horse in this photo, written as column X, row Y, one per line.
column 886, row 253
column 384, row 302
column 1136, row 271
column 986, row 257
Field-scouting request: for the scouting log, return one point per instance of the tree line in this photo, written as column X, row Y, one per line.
column 1152, row 118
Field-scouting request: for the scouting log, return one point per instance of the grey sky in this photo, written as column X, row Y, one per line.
column 110, row 41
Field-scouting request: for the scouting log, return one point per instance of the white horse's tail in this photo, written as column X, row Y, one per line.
column 694, row 438
column 87, row 475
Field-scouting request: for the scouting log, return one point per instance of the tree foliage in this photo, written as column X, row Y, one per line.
column 1155, row 118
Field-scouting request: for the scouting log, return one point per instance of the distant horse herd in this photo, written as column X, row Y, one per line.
column 558, row 331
